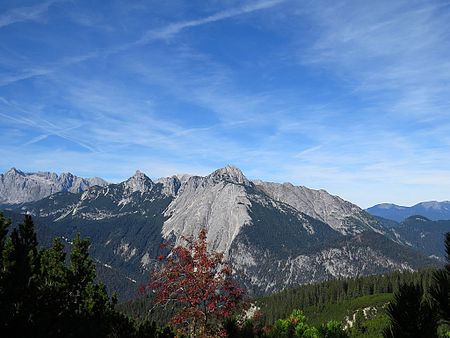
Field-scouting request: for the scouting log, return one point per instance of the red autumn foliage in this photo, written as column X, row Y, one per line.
column 201, row 283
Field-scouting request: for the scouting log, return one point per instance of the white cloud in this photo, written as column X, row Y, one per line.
column 175, row 28
column 397, row 51
column 28, row 13
column 21, row 14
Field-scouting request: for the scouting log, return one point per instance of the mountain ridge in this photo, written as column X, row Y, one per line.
column 275, row 236
column 18, row 187
column 434, row 210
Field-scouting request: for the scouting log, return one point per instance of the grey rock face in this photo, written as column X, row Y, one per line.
column 19, row 187
column 279, row 235
column 229, row 174
column 139, row 182
column 265, row 271
column 171, row 185
column 341, row 215
column 216, row 204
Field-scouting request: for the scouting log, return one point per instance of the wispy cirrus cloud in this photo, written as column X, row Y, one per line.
column 177, row 27
column 30, row 117
column 162, row 33
column 33, row 71
column 396, row 52
column 29, row 13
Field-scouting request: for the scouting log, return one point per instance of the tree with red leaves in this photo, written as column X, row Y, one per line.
column 201, row 284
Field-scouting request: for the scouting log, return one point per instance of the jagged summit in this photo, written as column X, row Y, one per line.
column 138, row 182
column 183, row 177
column 139, row 174
column 174, row 185
column 14, row 171
column 17, row 186
column 171, row 185
column 229, row 173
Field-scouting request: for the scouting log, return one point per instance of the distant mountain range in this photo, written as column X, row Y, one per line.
column 432, row 210
column 420, row 233
column 275, row 235
column 19, row 187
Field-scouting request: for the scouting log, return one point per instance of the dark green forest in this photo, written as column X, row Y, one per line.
column 320, row 295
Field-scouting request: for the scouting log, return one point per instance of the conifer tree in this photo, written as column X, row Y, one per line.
column 20, row 262
column 440, row 289
column 53, row 297
column 411, row 314
column 6, row 306
column 4, row 225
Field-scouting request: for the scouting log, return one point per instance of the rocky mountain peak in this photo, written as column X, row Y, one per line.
column 139, row 182
column 19, row 187
column 97, row 181
column 171, row 185
column 69, row 176
column 229, row 173
column 13, row 171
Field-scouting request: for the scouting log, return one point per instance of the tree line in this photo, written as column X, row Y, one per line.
column 280, row 305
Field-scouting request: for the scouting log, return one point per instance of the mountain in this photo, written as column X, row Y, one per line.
column 342, row 216
column 275, row 235
column 421, row 233
column 19, row 187
column 432, row 210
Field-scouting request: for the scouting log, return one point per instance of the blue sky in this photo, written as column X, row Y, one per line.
column 352, row 97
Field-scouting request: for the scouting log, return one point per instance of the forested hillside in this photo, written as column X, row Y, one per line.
column 280, row 304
